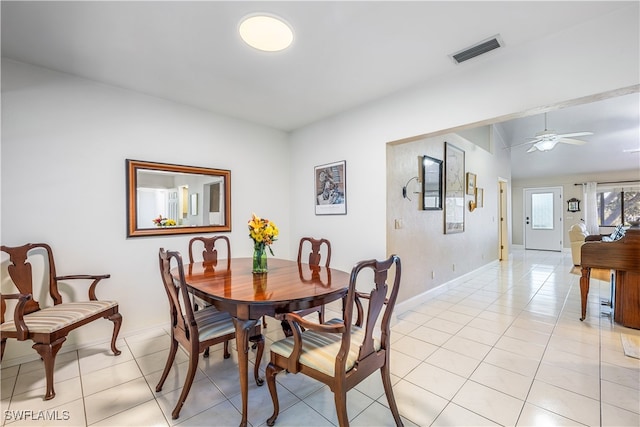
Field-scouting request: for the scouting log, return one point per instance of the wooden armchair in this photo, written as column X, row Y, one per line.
column 48, row 327
column 339, row 353
column 195, row 330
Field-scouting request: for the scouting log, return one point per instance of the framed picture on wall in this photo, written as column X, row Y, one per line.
column 454, row 190
column 331, row 188
column 471, row 184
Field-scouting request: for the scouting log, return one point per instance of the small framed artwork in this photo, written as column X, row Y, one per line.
column 573, row 205
column 471, row 184
column 479, row 197
column 331, row 188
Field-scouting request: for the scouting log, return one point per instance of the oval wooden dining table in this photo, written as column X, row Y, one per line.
column 288, row 286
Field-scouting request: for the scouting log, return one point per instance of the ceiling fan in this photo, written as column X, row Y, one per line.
column 547, row 139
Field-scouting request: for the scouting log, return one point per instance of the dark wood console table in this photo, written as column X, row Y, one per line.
column 622, row 256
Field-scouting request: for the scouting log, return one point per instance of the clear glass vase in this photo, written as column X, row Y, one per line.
column 259, row 259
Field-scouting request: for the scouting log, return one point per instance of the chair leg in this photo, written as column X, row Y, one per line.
column 321, row 314
column 226, row 353
column 388, row 390
column 193, row 366
column 117, row 322
column 271, row 372
column 4, row 343
column 48, row 354
column 340, row 397
column 170, row 358
column 259, row 340
column 206, row 351
column 286, row 329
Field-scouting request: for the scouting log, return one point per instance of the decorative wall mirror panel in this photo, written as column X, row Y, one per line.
column 164, row 198
column 431, row 183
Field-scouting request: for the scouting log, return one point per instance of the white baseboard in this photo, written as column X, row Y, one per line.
column 428, row 295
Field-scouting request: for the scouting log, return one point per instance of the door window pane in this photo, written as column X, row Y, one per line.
column 542, row 211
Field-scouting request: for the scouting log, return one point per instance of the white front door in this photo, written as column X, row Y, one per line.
column 543, row 218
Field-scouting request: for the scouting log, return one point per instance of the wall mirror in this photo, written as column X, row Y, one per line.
column 431, row 183
column 173, row 199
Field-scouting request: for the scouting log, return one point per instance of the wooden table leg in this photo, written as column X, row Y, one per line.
column 584, row 290
column 242, row 343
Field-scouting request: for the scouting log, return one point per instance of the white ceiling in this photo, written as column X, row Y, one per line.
column 344, row 55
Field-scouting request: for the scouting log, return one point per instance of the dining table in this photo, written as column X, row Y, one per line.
column 230, row 286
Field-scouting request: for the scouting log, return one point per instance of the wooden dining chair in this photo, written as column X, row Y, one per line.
column 209, row 257
column 48, row 327
column 338, row 353
column 315, row 248
column 195, row 331
column 210, row 252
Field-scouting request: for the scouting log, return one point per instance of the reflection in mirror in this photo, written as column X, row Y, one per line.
column 173, row 199
column 431, row 183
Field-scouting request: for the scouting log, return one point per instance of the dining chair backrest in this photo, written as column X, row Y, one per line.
column 316, row 248
column 378, row 303
column 182, row 318
column 210, row 251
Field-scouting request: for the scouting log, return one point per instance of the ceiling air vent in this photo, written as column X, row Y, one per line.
column 477, row 49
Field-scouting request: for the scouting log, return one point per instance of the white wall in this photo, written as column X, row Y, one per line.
column 429, row 257
column 583, row 64
column 64, row 145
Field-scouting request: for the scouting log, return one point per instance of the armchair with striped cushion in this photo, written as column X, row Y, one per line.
column 48, row 327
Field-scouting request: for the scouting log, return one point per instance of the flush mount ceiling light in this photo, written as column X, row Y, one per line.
column 266, row 32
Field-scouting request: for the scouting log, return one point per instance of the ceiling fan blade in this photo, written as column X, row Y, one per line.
column 521, row 144
column 532, row 149
column 572, row 141
column 568, row 135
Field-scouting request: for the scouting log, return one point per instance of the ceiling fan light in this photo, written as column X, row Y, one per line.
column 546, row 145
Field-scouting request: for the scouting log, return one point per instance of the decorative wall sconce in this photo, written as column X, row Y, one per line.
column 573, row 205
column 478, row 200
column 405, row 192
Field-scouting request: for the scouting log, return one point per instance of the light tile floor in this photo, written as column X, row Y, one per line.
column 504, row 347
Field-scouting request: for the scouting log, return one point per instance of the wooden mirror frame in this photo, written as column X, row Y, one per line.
column 134, row 229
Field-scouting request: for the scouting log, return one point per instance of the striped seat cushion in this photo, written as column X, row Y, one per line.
column 319, row 350
column 213, row 323
column 51, row 319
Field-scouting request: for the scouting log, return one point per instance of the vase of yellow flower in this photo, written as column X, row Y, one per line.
column 164, row 222
column 263, row 233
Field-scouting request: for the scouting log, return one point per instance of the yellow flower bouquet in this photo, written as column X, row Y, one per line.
column 263, row 233
column 164, row 222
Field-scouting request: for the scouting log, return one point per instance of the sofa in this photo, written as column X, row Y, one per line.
column 577, row 236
